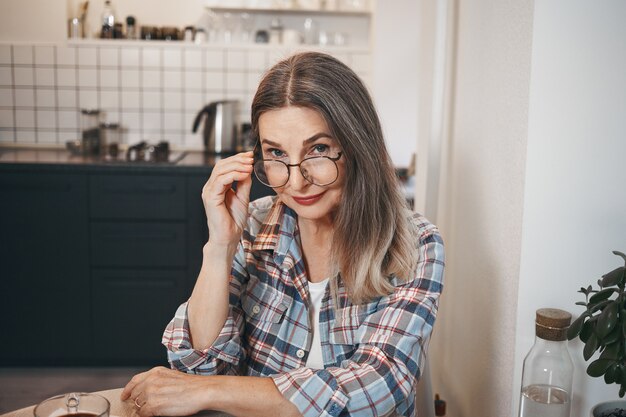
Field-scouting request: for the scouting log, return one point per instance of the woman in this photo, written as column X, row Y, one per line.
column 321, row 300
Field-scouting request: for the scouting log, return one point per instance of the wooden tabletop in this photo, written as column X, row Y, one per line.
column 119, row 408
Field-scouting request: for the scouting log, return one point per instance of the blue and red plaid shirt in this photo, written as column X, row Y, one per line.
column 373, row 352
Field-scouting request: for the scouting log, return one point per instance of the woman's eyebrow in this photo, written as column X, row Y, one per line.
column 305, row 142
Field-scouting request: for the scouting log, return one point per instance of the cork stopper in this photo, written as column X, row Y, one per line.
column 552, row 324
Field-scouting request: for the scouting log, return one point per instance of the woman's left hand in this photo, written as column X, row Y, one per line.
column 166, row 392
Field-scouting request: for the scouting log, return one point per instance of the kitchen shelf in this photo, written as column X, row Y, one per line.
column 338, row 13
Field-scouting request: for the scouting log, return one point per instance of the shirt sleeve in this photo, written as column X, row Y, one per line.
column 224, row 356
column 390, row 346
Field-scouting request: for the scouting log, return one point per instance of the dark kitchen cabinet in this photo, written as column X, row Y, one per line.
column 94, row 261
column 45, row 308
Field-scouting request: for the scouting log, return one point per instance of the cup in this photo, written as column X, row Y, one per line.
column 76, row 404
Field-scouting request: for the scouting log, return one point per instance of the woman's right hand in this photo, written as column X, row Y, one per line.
column 227, row 210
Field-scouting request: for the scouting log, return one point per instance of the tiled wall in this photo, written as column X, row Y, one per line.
column 152, row 89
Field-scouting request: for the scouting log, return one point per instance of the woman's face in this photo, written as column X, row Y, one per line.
column 291, row 134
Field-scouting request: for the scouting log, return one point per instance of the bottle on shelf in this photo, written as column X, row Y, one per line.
column 548, row 369
column 131, row 28
column 108, row 21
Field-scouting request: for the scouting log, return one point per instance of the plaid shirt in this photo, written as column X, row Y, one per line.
column 372, row 352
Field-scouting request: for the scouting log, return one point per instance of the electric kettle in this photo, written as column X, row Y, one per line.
column 220, row 126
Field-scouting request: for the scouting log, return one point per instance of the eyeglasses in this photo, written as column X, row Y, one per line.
column 318, row 170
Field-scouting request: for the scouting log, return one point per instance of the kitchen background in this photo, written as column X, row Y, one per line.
column 516, row 111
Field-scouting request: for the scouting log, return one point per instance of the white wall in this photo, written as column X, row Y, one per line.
column 395, row 80
column 574, row 203
column 533, row 198
column 480, row 214
column 33, row 20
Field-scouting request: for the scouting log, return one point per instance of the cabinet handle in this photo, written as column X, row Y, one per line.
column 26, row 187
column 140, row 189
column 137, row 283
column 147, row 235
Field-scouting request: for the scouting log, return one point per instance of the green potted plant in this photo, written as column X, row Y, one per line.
column 602, row 328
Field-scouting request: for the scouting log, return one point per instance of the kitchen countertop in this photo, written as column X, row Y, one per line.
column 190, row 161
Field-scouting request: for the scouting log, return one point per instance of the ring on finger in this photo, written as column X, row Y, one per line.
column 136, row 403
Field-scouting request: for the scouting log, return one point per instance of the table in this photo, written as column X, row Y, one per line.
column 119, row 408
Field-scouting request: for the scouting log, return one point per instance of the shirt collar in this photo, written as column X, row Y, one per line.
column 277, row 231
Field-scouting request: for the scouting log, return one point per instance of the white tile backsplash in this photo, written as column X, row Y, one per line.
column 193, row 80
column 87, row 57
column 66, row 56
column 151, row 100
column 130, row 57
column 87, row 77
column 154, row 90
column 172, row 79
column 5, row 55
column 66, row 77
column 6, row 77
column 130, row 78
column 151, row 79
column 109, row 78
column 24, row 76
column 214, row 59
column 6, row 119
column 67, row 98
column 151, row 57
column 109, row 57
column 45, row 98
column 24, row 97
column 193, row 58
column 88, row 99
column 214, row 80
column 46, row 119
column 44, row 55
column 172, row 58
column 25, row 118
column 68, row 119
column 22, row 55
column 45, row 77
column 109, row 99
column 6, row 97
column 131, row 100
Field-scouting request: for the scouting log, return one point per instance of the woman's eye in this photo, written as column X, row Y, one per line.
column 321, row 148
column 275, row 153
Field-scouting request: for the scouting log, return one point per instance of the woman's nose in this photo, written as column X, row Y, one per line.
column 296, row 180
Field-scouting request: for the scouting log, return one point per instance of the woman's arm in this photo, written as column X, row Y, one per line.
column 165, row 392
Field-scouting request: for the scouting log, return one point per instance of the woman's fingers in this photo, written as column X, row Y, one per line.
column 128, row 390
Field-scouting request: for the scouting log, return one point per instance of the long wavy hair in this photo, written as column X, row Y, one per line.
column 372, row 237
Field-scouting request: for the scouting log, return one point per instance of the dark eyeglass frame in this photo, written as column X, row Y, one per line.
column 257, row 152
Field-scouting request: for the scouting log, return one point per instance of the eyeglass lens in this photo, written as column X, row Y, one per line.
column 318, row 171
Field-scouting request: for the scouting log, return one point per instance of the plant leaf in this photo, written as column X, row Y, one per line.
column 624, row 323
column 607, row 320
column 576, row 326
column 613, row 337
column 598, row 367
column 601, row 295
column 599, row 306
column 611, row 352
column 590, row 347
column 618, row 253
column 581, row 303
column 587, row 330
column 619, row 373
column 609, row 375
column 622, row 391
column 615, row 277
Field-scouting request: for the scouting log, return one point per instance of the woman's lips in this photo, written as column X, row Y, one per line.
column 308, row 200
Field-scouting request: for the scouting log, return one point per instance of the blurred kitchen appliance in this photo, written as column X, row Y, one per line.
column 220, row 126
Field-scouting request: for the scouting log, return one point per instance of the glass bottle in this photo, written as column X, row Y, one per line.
column 548, row 368
column 108, row 21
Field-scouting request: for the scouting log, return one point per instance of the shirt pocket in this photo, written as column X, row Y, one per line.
column 344, row 329
column 264, row 304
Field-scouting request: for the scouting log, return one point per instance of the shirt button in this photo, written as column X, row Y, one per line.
column 300, row 353
column 256, row 309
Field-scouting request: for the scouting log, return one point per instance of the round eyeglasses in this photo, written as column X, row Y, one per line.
column 318, row 170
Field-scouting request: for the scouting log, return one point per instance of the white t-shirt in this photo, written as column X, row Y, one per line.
column 316, row 293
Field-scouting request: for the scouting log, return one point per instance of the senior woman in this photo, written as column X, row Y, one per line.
column 319, row 301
